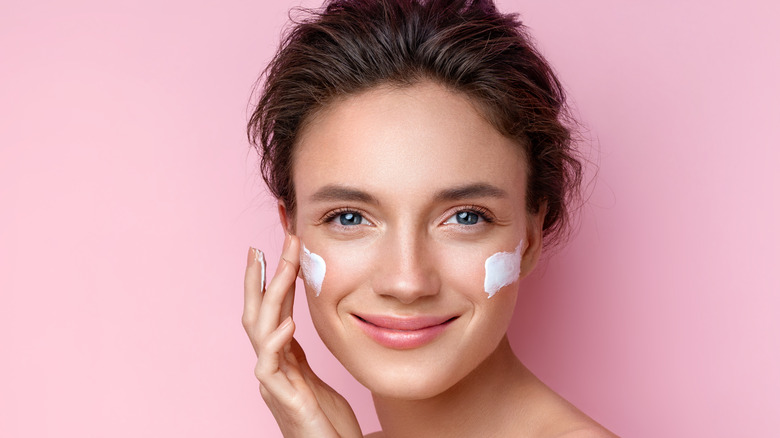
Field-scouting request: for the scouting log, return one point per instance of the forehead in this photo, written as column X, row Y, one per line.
column 410, row 141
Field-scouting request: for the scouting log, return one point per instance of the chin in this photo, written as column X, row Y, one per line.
column 413, row 374
column 407, row 382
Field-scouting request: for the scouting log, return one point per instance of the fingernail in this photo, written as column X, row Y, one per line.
column 250, row 257
column 287, row 321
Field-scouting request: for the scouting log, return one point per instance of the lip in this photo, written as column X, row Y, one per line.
column 403, row 333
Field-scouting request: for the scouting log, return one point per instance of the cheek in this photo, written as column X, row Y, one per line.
column 502, row 269
column 313, row 268
column 346, row 272
column 480, row 273
column 462, row 270
column 333, row 271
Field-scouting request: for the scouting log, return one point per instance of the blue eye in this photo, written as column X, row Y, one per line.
column 467, row 218
column 348, row 219
column 464, row 217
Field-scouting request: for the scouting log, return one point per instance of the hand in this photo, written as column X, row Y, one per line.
column 302, row 404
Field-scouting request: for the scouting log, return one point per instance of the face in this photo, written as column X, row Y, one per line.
column 403, row 194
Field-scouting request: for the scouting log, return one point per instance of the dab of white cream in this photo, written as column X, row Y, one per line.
column 313, row 267
column 260, row 258
column 502, row 269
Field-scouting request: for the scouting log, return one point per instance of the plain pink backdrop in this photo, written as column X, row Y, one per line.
column 128, row 199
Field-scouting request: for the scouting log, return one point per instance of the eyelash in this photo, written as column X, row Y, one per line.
column 334, row 214
column 483, row 212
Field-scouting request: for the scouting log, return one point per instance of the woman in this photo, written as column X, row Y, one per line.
column 421, row 160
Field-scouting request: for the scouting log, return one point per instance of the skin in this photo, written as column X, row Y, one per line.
column 405, row 156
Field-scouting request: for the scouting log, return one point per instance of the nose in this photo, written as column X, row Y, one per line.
column 407, row 269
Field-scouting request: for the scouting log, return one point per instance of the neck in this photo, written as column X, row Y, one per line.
column 491, row 395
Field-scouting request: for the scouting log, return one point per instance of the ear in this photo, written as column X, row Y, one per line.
column 285, row 219
column 533, row 239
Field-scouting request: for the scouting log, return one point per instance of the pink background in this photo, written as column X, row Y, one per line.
column 128, row 199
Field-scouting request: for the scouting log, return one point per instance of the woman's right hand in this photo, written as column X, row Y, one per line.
column 302, row 404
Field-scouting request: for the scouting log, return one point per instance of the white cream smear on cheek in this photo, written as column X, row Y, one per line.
column 313, row 269
column 502, row 269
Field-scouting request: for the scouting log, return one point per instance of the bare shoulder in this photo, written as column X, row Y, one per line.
column 589, row 431
column 564, row 420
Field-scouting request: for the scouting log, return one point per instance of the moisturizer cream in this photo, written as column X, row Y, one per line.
column 260, row 258
column 313, row 269
column 502, row 269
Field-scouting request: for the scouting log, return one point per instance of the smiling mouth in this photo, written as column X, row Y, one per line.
column 403, row 333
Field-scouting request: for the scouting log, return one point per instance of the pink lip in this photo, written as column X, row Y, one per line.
column 403, row 333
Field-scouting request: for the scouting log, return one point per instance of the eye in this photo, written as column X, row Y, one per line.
column 351, row 218
column 345, row 218
column 465, row 217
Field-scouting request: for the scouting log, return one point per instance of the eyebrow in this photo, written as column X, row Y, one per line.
column 477, row 190
column 340, row 193
column 333, row 192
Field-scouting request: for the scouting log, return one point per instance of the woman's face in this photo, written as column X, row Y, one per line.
column 403, row 194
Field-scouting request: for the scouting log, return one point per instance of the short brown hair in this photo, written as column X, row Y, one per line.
column 468, row 46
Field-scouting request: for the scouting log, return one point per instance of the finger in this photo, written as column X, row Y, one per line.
column 281, row 285
column 295, row 354
column 285, row 246
column 289, row 298
column 268, row 370
column 287, row 308
column 298, row 372
column 254, row 281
